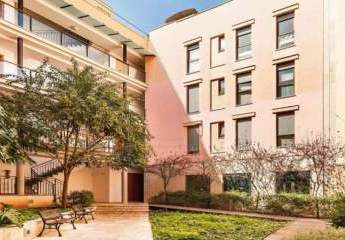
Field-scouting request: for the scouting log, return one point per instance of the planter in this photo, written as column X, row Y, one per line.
column 29, row 231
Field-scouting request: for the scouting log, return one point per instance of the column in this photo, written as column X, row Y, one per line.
column 20, row 183
column 124, row 89
column 20, row 168
column 124, row 176
column 124, row 52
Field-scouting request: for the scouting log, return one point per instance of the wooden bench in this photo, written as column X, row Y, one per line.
column 81, row 212
column 53, row 219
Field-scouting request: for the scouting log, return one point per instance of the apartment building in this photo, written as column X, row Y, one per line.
column 91, row 33
column 267, row 72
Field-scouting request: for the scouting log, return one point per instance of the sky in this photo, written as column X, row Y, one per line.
column 149, row 14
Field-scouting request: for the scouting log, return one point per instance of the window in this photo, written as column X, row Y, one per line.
column 193, row 139
column 285, row 129
column 221, row 130
column 286, row 80
column 193, row 98
column 221, row 87
column 221, row 43
column 243, row 133
column 293, row 182
column 74, row 44
column 45, row 31
column 217, row 137
column 197, row 183
column 237, row 182
column 218, row 94
column 285, row 31
column 244, row 89
column 193, row 58
column 244, row 43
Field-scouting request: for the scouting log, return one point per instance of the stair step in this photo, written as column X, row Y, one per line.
column 122, row 208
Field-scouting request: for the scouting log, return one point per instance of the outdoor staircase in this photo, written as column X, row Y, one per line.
column 42, row 181
column 122, row 209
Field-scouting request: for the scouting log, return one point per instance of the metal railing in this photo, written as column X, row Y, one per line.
column 66, row 39
column 43, row 187
column 46, row 169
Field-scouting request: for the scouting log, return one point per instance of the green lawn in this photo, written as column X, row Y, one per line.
column 194, row 226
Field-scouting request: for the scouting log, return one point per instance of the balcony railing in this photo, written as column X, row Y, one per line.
column 65, row 39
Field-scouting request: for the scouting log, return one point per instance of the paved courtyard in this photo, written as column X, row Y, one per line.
column 105, row 227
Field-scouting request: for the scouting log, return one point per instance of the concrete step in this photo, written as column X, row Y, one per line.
column 115, row 208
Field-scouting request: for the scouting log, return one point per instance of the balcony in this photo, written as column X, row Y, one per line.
column 64, row 38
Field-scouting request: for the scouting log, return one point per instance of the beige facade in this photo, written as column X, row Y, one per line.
column 295, row 70
column 89, row 32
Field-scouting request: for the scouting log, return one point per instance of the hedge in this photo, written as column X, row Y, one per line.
column 286, row 204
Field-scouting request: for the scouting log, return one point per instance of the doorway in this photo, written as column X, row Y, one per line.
column 135, row 187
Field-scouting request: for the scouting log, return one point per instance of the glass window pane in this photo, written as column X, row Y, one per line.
column 74, row 44
column 242, row 78
column 194, row 54
column 286, row 124
column 245, row 87
column 194, row 67
column 244, row 52
column 244, row 133
column 244, row 40
column 286, row 75
column 286, row 26
column 221, row 44
column 98, row 56
column 221, row 87
column 293, row 182
column 193, row 139
column 237, row 182
column 193, row 98
column 45, row 31
column 244, row 98
column 286, row 91
column 197, row 183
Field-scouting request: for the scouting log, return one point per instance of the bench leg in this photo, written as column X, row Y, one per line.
column 72, row 222
column 85, row 219
column 57, row 226
column 93, row 218
column 40, row 234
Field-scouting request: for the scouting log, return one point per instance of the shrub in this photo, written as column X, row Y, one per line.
column 82, row 197
column 232, row 201
column 324, row 235
column 9, row 215
column 186, row 199
column 292, row 204
column 338, row 213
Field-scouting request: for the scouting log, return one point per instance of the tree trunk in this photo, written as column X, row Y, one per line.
column 165, row 197
column 67, row 174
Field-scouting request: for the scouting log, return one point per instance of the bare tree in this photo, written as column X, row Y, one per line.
column 320, row 156
column 207, row 167
column 261, row 163
column 168, row 167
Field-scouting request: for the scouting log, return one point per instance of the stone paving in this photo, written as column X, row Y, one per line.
column 298, row 226
column 105, row 227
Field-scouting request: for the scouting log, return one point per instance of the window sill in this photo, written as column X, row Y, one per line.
column 218, row 109
column 191, row 73
column 193, row 113
column 280, row 98
column 284, row 48
column 217, row 66
column 242, row 105
column 242, row 59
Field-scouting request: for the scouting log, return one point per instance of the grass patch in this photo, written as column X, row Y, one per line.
column 324, row 235
column 196, row 226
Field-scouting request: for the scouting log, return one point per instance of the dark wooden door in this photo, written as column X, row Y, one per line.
column 135, row 187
